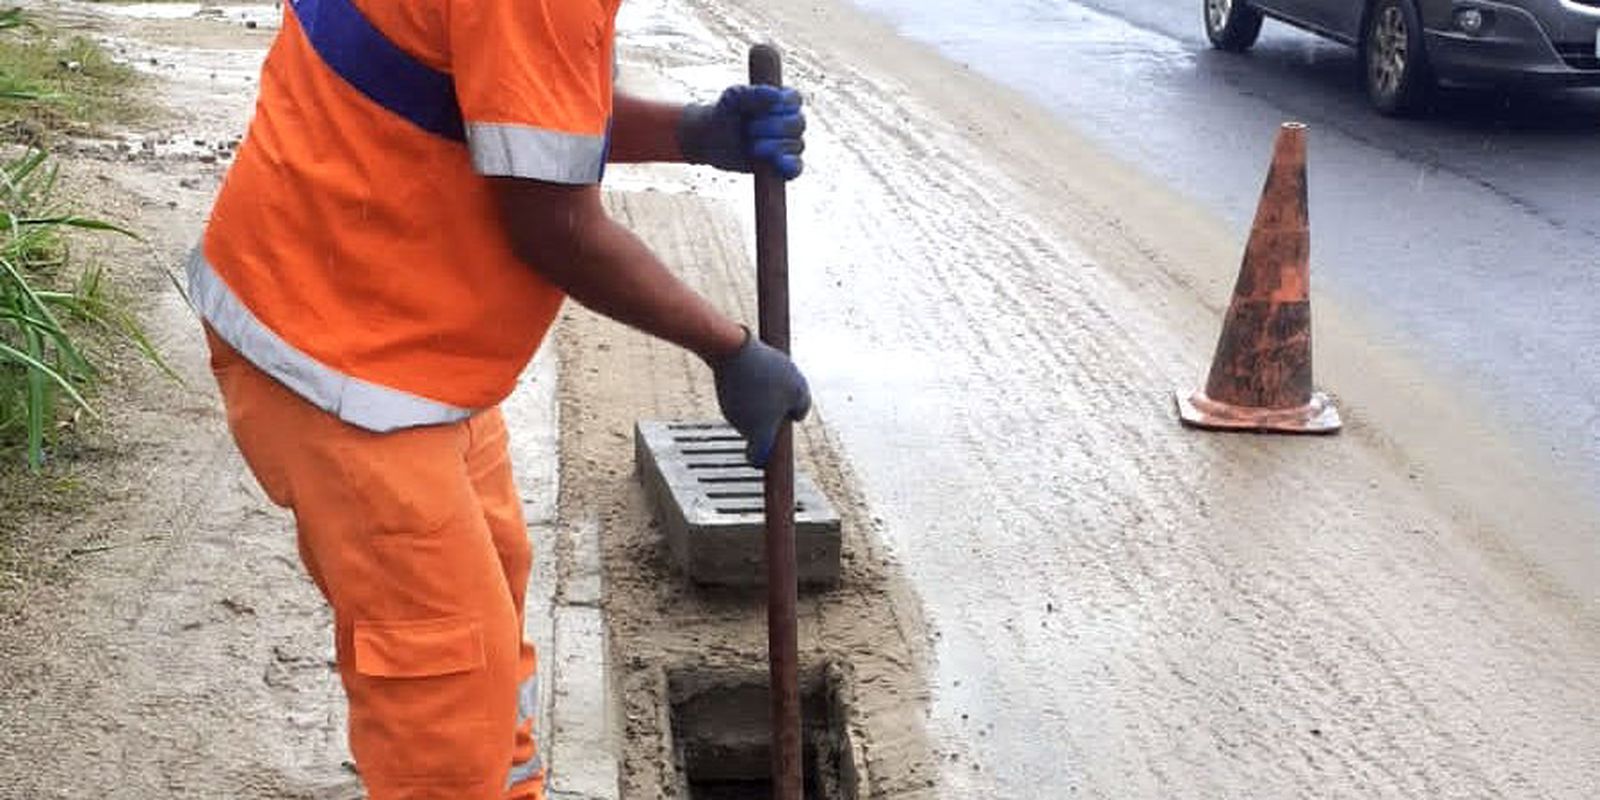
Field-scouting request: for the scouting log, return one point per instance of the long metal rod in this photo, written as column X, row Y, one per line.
column 772, row 288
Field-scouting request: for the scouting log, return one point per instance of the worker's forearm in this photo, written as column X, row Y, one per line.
column 613, row 273
column 644, row 130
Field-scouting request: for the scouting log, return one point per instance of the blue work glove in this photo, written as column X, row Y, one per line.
column 749, row 125
column 758, row 387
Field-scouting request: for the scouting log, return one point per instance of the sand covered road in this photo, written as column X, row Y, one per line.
column 995, row 314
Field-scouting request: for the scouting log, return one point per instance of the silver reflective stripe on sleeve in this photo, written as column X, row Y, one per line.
column 521, row 151
column 358, row 402
column 527, row 711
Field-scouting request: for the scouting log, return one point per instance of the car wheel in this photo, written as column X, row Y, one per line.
column 1232, row 25
column 1397, row 76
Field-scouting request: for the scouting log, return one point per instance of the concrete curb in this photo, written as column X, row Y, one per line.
column 583, row 760
column 564, row 618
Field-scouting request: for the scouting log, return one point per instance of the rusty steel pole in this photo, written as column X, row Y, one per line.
column 772, row 289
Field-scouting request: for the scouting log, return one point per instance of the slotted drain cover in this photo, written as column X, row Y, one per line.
column 712, row 506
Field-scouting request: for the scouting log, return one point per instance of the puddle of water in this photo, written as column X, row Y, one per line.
column 268, row 16
column 265, row 15
column 134, row 146
column 155, row 11
column 656, row 23
column 977, row 29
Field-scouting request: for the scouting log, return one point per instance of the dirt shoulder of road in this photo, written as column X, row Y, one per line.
column 166, row 643
column 178, row 650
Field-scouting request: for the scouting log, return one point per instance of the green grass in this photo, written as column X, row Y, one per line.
column 49, row 82
column 63, row 325
column 56, row 315
column 50, row 313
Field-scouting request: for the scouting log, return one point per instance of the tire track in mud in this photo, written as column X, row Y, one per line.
column 1230, row 615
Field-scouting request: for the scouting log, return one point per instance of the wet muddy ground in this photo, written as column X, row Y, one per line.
column 1050, row 589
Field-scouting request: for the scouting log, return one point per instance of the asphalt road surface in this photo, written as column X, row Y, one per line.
column 1473, row 233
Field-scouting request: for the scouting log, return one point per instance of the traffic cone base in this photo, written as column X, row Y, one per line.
column 1260, row 377
column 1316, row 417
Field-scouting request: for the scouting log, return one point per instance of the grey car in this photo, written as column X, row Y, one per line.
column 1408, row 46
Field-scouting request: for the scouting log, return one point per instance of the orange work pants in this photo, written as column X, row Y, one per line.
column 417, row 541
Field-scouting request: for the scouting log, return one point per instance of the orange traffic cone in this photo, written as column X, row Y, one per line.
column 1261, row 375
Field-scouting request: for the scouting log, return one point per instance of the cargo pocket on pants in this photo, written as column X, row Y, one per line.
column 419, row 706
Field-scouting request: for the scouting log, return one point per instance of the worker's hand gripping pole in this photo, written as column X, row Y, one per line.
column 772, row 282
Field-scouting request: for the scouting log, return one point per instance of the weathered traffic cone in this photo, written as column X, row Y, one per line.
column 1261, row 375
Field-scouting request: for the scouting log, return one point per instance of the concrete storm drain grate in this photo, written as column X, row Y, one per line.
column 721, row 736
column 710, row 501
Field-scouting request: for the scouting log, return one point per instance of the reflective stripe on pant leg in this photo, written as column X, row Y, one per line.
column 527, row 719
column 528, row 700
column 489, row 464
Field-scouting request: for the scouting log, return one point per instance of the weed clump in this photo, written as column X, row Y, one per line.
column 54, row 313
column 50, row 83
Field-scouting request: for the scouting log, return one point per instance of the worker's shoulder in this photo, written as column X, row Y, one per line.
column 419, row 27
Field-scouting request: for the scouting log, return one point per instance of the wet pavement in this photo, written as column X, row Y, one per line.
column 1472, row 233
column 1120, row 608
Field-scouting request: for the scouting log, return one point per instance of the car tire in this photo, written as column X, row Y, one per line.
column 1394, row 59
column 1231, row 25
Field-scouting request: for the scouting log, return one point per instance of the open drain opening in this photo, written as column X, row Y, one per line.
column 721, row 732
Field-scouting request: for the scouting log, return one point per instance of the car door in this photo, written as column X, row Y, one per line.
column 1296, row 11
column 1338, row 18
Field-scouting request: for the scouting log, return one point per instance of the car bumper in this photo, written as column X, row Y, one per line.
column 1541, row 43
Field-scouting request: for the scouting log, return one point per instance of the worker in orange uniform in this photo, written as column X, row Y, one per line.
column 418, row 192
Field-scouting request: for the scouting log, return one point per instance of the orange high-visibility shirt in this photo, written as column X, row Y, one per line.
column 359, row 258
